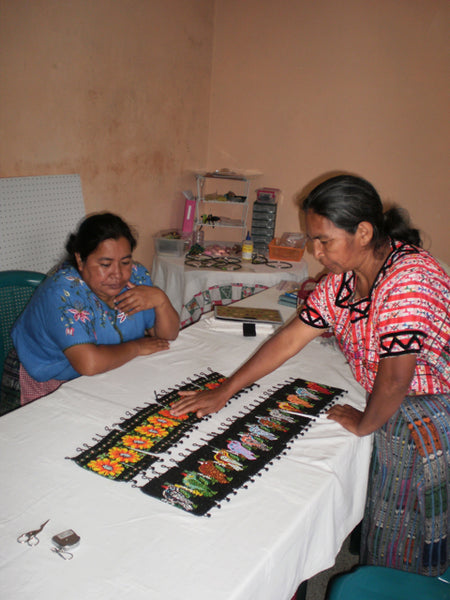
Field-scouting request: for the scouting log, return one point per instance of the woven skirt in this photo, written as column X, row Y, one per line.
column 18, row 387
column 406, row 521
column 10, row 384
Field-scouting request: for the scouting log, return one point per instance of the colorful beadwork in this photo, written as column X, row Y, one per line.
column 114, row 458
column 230, row 459
column 123, row 453
column 224, row 464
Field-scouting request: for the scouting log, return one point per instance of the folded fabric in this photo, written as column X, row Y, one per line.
column 288, row 300
column 229, row 326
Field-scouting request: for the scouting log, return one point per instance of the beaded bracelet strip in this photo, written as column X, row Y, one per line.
column 231, row 459
column 136, row 441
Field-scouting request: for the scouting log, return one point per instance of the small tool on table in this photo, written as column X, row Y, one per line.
column 65, row 541
column 30, row 537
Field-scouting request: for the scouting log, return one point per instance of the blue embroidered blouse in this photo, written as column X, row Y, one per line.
column 64, row 312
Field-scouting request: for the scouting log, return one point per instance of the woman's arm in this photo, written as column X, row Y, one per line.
column 91, row 359
column 144, row 297
column 392, row 383
column 278, row 349
column 167, row 321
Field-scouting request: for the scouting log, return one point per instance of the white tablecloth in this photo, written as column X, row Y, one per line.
column 286, row 527
column 193, row 291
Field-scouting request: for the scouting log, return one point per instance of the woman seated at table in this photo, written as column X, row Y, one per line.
column 95, row 312
column 387, row 301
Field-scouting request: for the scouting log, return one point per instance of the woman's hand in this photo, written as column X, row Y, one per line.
column 91, row 359
column 202, row 403
column 288, row 340
column 347, row 416
column 150, row 345
column 139, row 297
column 392, row 383
column 144, row 297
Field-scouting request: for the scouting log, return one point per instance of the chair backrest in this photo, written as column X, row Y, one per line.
column 16, row 289
column 383, row 583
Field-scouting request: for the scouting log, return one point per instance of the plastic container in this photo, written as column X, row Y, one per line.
column 247, row 248
column 167, row 244
column 296, row 239
column 198, row 237
column 263, row 223
column 278, row 251
column 267, row 195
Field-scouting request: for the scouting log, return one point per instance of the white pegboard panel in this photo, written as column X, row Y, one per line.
column 36, row 216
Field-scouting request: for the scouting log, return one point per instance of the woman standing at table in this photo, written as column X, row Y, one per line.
column 387, row 301
column 95, row 312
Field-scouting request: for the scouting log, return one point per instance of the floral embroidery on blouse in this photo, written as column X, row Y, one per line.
column 73, row 308
column 80, row 315
column 64, row 312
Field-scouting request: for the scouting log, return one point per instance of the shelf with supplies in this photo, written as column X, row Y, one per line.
column 220, row 206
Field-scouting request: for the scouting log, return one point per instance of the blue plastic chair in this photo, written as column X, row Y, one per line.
column 16, row 289
column 382, row 583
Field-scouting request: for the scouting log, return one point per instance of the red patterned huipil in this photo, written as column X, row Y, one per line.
column 406, row 311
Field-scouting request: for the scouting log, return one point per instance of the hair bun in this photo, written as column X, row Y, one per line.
column 397, row 226
column 71, row 244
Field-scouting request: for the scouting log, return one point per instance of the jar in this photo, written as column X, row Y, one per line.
column 198, row 237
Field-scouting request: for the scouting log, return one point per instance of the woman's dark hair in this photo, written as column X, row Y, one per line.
column 93, row 231
column 347, row 200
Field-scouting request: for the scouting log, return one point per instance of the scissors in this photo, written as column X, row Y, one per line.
column 62, row 553
column 30, row 537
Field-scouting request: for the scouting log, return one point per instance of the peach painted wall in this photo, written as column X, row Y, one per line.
column 115, row 90
column 301, row 89
column 119, row 91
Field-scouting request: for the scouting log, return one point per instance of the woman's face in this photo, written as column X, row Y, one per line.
column 337, row 250
column 108, row 269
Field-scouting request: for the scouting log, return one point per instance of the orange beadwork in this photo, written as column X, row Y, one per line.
column 106, row 467
column 152, row 431
column 208, row 468
column 135, row 441
column 124, row 455
column 294, row 399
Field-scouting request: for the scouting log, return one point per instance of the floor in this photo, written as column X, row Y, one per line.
column 345, row 560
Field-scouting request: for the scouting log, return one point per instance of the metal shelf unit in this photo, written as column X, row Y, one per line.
column 220, row 220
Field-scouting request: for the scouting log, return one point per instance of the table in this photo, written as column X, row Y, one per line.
column 286, row 527
column 195, row 291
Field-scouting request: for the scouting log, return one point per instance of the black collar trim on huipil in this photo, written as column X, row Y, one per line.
column 346, row 293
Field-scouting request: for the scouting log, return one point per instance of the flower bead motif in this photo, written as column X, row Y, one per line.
column 124, row 455
column 106, row 467
column 138, row 442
